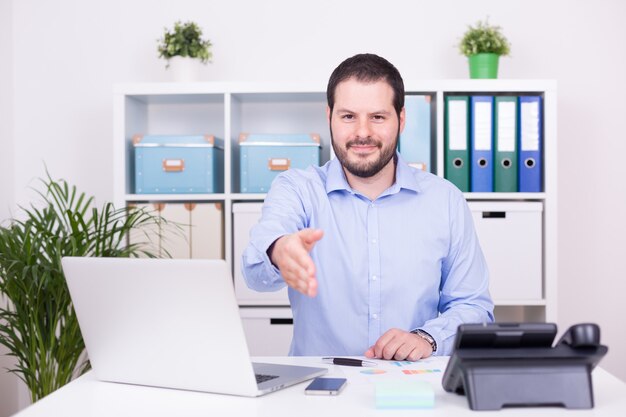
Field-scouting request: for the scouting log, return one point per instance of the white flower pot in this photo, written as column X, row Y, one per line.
column 185, row 69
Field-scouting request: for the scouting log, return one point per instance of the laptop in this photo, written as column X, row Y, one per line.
column 169, row 323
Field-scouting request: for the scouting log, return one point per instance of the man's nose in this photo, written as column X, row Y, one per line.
column 364, row 129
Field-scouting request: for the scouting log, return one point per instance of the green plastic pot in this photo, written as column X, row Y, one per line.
column 484, row 65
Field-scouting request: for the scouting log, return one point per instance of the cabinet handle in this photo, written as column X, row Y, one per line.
column 279, row 164
column 281, row 321
column 494, row 214
column 173, row 165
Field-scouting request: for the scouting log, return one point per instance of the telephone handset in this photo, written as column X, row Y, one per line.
column 583, row 335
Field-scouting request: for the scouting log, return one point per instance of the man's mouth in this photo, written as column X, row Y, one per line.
column 363, row 145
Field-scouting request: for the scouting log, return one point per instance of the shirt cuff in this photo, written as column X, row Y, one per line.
column 262, row 248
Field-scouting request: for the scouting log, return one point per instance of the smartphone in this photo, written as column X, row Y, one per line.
column 326, row 386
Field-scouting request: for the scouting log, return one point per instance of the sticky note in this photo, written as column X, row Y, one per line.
column 404, row 394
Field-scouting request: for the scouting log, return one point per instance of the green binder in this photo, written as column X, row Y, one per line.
column 505, row 145
column 456, row 127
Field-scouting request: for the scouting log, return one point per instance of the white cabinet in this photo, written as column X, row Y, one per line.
column 520, row 247
column 510, row 237
column 246, row 215
column 268, row 330
column 184, row 230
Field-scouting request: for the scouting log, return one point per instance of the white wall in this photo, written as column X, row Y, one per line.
column 8, row 382
column 7, row 176
column 69, row 53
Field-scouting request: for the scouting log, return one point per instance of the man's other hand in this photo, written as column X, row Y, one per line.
column 400, row 345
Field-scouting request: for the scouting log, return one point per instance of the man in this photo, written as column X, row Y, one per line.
column 381, row 259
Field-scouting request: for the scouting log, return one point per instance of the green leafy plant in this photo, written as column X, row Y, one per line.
column 484, row 39
column 37, row 320
column 186, row 41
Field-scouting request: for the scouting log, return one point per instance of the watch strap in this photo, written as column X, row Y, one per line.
column 427, row 337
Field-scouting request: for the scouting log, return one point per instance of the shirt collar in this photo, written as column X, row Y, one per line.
column 336, row 178
column 405, row 177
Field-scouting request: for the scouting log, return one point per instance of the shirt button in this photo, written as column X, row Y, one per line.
column 374, row 241
column 374, row 277
column 374, row 316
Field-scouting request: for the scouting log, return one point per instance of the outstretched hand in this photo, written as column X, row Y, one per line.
column 290, row 254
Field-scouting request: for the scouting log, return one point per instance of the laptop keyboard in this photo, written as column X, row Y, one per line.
column 262, row 378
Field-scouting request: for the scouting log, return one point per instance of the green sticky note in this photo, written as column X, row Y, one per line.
column 404, row 394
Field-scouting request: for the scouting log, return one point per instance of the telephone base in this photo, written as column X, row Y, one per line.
column 492, row 387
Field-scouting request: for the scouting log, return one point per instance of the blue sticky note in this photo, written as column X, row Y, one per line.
column 404, row 394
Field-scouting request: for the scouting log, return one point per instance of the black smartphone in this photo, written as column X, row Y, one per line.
column 326, row 386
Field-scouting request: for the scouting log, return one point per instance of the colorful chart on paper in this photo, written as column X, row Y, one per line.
column 420, row 371
column 373, row 372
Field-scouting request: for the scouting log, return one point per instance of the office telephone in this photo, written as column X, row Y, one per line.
column 514, row 364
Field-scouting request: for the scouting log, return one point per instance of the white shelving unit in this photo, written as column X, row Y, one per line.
column 228, row 109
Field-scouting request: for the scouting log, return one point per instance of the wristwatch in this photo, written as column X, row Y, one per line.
column 427, row 337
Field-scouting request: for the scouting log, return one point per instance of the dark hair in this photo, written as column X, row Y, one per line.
column 367, row 68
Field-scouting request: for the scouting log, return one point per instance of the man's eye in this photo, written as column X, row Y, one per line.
column 347, row 117
column 378, row 117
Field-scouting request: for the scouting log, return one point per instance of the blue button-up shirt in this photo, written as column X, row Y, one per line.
column 409, row 259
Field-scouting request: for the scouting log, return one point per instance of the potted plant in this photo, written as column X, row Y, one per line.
column 37, row 321
column 184, row 49
column 483, row 44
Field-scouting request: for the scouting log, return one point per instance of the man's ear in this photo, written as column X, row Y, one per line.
column 328, row 112
column 402, row 119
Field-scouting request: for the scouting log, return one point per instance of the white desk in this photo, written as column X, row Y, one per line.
column 87, row 397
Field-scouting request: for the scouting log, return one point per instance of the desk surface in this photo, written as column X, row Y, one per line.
column 88, row 397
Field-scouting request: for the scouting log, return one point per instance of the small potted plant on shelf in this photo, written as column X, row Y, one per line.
column 483, row 44
column 184, row 49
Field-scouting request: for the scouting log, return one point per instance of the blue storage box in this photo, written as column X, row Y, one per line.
column 178, row 164
column 263, row 157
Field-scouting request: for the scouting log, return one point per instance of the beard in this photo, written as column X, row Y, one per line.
column 361, row 168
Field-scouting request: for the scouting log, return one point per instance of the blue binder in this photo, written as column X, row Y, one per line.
column 531, row 144
column 414, row 143
column 481, row 137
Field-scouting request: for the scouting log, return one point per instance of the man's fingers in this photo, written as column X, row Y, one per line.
column 399, row 345
column 415, row 355
column 297, row 255
column 404, row 351
column 310, row 237
column 382, row 342
column 306, row 286
column 294, row 274
column 299, row 273
column 390, row 349
column 312, row 287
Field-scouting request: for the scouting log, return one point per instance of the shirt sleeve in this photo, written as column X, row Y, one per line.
column 464, row 288
column 283, row 213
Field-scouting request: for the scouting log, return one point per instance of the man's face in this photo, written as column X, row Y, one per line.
column 364, row 126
